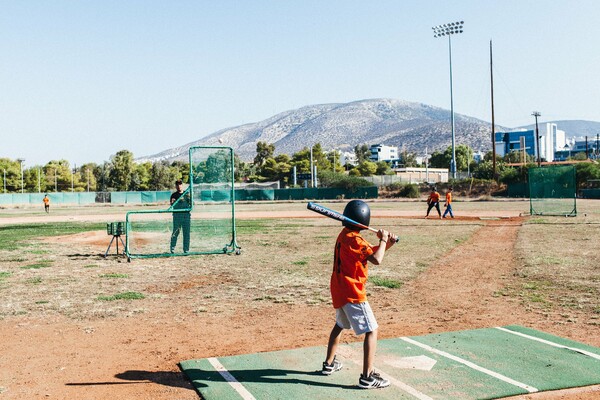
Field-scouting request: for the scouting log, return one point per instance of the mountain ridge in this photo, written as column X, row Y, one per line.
column 412, row 126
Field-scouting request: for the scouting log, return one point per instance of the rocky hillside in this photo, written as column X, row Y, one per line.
column 410, row 126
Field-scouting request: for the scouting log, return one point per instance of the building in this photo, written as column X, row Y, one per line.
column 418, row 174
column 381, row 152
column 551, row 140
column 348, row 157
column 507, row 142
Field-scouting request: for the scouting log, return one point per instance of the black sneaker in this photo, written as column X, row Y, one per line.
column 328, row 369
column 374, row 381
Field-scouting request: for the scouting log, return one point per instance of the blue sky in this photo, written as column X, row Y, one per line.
column 81, row 80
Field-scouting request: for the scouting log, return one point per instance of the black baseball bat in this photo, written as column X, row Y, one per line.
column 340, row 217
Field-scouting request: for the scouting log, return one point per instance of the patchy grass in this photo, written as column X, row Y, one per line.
column 114, row 276
column 123, row 296
column 385, row 282
column 38, row 265
column 558, row 264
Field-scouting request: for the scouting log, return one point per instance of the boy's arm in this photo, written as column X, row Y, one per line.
column 386, row 240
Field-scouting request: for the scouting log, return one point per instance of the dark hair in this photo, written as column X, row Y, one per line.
column 179, row 182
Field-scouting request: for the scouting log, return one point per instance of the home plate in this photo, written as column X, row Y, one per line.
column 422, row 363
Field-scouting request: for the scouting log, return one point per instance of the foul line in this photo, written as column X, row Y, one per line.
column 476, row 367
column 585, row 352
column 242, row 391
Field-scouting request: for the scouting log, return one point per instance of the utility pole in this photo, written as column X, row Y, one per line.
column 493, row 123
column 536, row 114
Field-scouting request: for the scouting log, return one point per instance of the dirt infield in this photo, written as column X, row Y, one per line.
column 133, row 353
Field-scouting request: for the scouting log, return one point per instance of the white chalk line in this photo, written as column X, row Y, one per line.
column 351, row 355
column 238, row 387
column 474, row 366
column 548, row 342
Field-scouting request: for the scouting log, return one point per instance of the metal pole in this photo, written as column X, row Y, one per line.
column 4, row 180
column 493, row 123
column 536, row 114
column 312, row 178
column 453, row 161
column 39, row 181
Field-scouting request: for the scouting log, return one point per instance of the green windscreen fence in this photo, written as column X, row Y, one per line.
column 200, row 221
column 552, row 190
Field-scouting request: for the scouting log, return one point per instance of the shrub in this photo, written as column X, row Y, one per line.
column 342, row 181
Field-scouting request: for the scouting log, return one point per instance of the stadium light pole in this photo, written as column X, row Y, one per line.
column 450, row 29
column 21, row 160
column 536, row 114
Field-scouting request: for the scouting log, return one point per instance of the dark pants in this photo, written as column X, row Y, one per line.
column 448, row 210
column 435, row 204
column 181, row 222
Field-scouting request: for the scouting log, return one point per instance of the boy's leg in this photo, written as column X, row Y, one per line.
column 334, row 341
column 429, row 207
column 369, row 348
column 450, row 210
column 437, row 207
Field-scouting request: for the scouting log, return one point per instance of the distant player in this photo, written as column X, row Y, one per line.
column 46, row 201
column 448, row 203
column 349, row 294
column 181, row 220
column 433, row 201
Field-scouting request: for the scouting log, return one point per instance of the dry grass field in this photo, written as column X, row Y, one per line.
column 76, row 325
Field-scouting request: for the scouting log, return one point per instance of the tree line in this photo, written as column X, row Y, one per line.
column 121, row 173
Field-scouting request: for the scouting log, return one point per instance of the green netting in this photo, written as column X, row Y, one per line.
column 552, row 190
column 201, row 221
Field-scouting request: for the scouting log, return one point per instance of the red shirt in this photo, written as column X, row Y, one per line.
column 350, row 271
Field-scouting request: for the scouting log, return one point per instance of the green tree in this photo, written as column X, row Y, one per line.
column 58, row 176
column 585, row 172
column 363, row 153
column 367, row 168
column 121, row 171
column 102, row 176
column 88, row 177
column 264, row 151
column 409, row 160
column 140, row 177
column 10, row 169
column 383, row 168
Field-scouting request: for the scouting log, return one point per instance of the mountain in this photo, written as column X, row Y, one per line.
column 573, row 128
column 412, row 127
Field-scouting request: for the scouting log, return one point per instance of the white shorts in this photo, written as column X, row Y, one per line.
column 359, row 317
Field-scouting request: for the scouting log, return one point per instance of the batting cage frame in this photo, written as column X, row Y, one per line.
column 553, row 190
column 200, row 221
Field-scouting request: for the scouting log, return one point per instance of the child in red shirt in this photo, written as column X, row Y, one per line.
column 348, row 292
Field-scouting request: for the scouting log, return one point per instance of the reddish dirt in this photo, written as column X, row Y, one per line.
column 136, row 357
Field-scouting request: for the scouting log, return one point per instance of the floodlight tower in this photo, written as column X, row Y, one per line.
column 450, row 29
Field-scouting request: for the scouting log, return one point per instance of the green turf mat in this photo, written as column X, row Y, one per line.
column 476, row 364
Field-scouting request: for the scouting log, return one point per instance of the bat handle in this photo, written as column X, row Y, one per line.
column 375, row 230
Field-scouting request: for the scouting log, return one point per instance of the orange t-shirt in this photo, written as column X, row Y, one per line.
column 350, row 271
column 46, row 200
column 434, row 197
column 449, row 198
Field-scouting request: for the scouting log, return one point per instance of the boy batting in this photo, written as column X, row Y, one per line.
column 349, row 295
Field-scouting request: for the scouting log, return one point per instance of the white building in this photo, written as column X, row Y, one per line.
column 348, row 157
column 381, row 152
column 552, row 140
